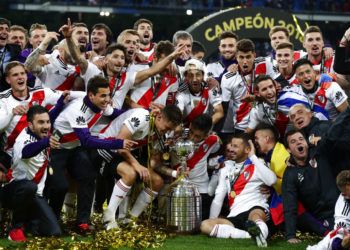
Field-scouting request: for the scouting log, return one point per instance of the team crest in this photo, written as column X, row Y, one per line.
column 246, row 175
column 313, row 163
column 321, row 99
column 205, row 147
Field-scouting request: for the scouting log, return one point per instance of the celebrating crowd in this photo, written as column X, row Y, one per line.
column 84, row 118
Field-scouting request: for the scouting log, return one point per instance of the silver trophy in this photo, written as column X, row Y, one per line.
column 184, row 213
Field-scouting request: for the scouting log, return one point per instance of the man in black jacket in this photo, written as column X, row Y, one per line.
column 327, row 140
column 309, row 180
column 8, row 52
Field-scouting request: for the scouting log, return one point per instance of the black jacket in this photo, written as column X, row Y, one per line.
column 14, row 50
column 314, row 186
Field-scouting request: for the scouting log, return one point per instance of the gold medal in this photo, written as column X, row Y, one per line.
column 166, row 156
column 233, row 194
column 50, row 171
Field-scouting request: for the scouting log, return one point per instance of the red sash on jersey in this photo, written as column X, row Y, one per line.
column 73, row 137
column 199, row 109
column 39, row 174
column 241, row 182
column 148, row 97
column 201, row 151
column 320, row 97
column 243, row 111
column 113, row 81
column 69, row 82
column 38, row 96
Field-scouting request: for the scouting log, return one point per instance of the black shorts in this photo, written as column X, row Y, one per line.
column 108, row 161
column 240, row 220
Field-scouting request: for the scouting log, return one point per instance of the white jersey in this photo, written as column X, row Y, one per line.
column 12, row 125
column 261, row 113
column 151, row 90
column 215, row 69
column 136, row 67
column 33, row 168
column 187, row 102
column 323, row 102
column 136, row 121
column 341, row 225
column 234, row 87
column 198, row 175
column 342, row 213
column 244, row 192
column 60, row 76
column 79, row 113
column 120, row 87
column 149, row 53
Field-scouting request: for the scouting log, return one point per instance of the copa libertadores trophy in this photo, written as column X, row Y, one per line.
column 184, row 213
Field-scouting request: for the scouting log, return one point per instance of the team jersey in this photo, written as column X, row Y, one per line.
column 12, row 125
column 234, row 87
column 323, row 102
column 136, row 121
column 341, row 225
column 215, row 69
column 269, row 114
column 193, row 105
column 60, row 76
column 197, row 162
column 33, row 168
column 154, row 90
column 79, row 113
column 323, row 66
column 136, row 67
column 149, row 52
column 120, row 86
column 241, row 182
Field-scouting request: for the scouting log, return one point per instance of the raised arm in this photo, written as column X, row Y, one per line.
column 73, row 49
column 32, row 62
column 158, row 67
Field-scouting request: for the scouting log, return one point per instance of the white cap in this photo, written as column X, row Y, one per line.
column 194, row 64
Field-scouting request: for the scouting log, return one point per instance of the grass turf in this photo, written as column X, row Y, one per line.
column 196, row 242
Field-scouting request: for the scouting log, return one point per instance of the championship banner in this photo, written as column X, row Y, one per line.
column 252, row 23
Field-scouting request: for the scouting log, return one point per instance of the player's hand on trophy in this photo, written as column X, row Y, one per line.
column 328, row 52
column 143, row 172
column 129, row 144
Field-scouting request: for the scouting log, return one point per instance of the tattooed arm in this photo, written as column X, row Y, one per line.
column 32, row 62
column 67, row 31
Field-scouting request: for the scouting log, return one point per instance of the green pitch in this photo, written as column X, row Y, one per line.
column 199, row 242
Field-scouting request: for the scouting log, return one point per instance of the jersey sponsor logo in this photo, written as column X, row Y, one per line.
column 80, row 120
column 338, row 96
column 135, row 121
column 300, row 177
